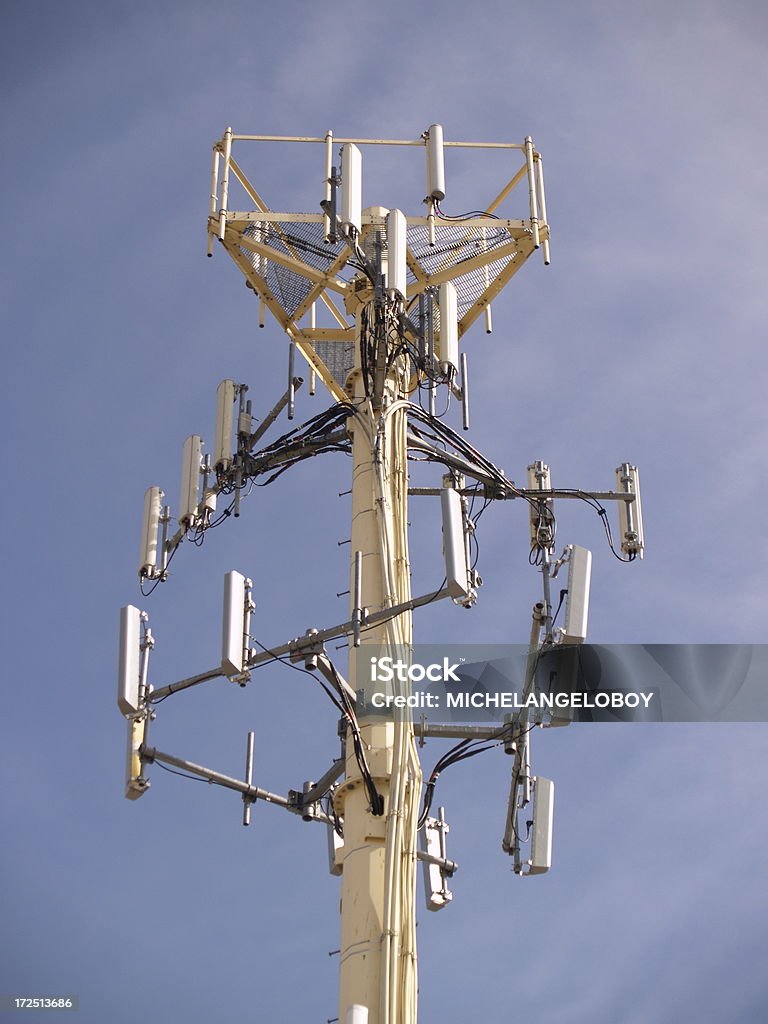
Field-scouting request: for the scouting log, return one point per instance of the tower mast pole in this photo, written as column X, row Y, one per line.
column 378, row 953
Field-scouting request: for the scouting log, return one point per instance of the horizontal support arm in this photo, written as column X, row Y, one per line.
column 251, row 793
column 527, row 493
column 311, row 640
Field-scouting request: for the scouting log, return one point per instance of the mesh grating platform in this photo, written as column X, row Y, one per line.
column 301, row 241
column 455, row 245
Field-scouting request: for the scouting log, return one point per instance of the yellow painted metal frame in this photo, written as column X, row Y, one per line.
column 525, row 236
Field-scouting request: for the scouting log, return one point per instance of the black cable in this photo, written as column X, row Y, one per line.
column 184, row 775
column 462, row 751
column 347, row 711
column 162, row 577
column 559, row 606
column 468, row 216
column 297, row 668
column 594, row 503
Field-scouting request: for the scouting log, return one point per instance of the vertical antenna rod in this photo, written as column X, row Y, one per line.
column 248, row 779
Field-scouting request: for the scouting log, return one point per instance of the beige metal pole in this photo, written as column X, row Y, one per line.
column 377, row 968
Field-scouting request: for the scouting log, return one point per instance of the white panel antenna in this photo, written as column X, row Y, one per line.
column 128, row 672
column 577, row 600
column 223, row 447
column 454, row 542
column 432, row 841
column 397, row 266
column 630, row 513
column 448, row 342
column 135, row 783
column 236, row 624
column 435, row 163
column 543, row 815
column 150, row 527
column 191, row 460
column 351, row 187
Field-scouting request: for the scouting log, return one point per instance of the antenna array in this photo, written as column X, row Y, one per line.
column 376, row 302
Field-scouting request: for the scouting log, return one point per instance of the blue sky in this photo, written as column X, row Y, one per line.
column 644, row 341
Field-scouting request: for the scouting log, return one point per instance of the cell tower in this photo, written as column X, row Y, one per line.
column 376, row 301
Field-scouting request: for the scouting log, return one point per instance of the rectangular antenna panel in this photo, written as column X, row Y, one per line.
column 135, row 783
column 128, row 660
column 233, row 631
column 223, row 446
column 436, row 890
column 577, row 598
column 630, row 513
column 435, row 163
column 190, row 479
column 448, row 342
column 397, row 266
column 351, row 187
column 543, row 816
column 150, row 526
column 454, row 546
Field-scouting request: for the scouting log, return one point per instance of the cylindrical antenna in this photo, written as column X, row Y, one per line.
column 149, row 531
column 215, row 179
column 214, row 192
column 352, row 187
column 397, row 266
column 542, row 205
column 532, row 191
column 329, row 173
column 191, row 461
column 487, row 277
column 464, row 392
column 248, row 778
column 225, row 182
column 435, row 163
column 433, row 139
column 449, row 328
column 357, row 597
column 291, row 385
column 222, row 444
column 312, row 326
